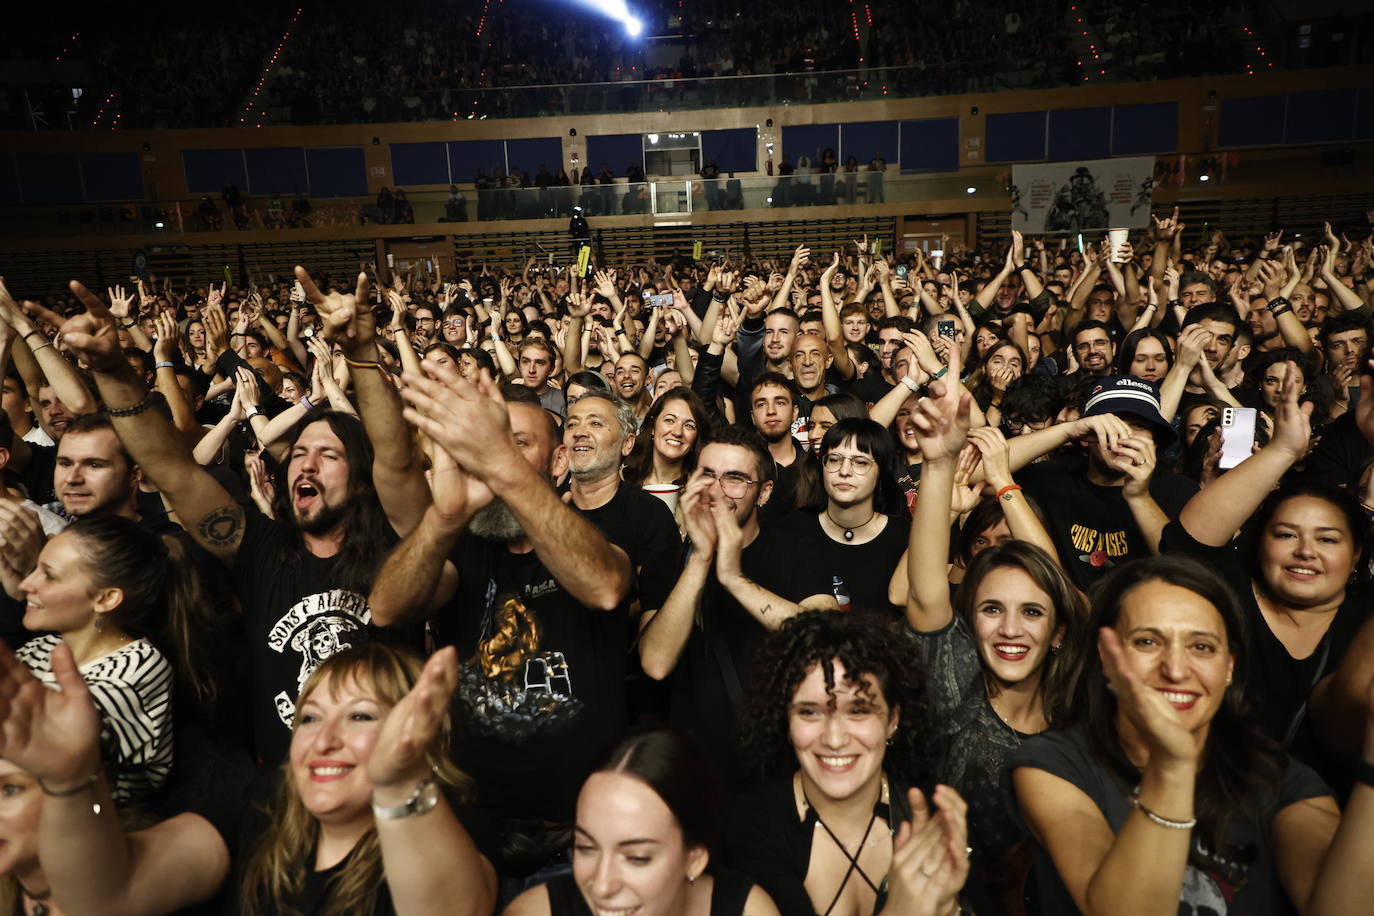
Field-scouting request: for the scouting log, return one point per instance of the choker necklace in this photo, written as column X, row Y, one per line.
column 40, row 906
column 849, row 532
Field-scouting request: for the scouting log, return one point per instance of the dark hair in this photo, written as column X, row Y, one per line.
column 685, row 779
column 786, row 313
column 479, row 356
column 777, row 379
column 95, row 422
column 1033, row 396
column 1090, row 326
column 1213, row 311
column 872, row 440
column 1193, row 277
column 866, row 645
column 1339, row 324
column 900, row 322
column 1242, row 766
column 164, row 596
column 747, row 438
column 1070, row 612
column 640, row 464
column 368, row 535
column 587, row 379
column 842, row 405
column 1125, row 354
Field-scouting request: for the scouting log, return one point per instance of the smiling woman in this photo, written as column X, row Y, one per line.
column 1164, row 765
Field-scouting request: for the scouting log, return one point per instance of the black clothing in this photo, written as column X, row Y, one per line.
column 729, row 892
column 865, row 569
column 295, row 616
column 1252, row 889
column 787, row 481
column 1092, row 527
column 533, row 736
column 643, row 526
column 706, row 695
column 37, row 476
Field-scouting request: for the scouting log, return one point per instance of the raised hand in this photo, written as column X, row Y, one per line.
column 1292, row 421
column 121, row 304
column 929, row 856
column 992, row 449
column 216, row 329
column 21, row 540
column 942, row 418
column 54, row 735
column 467, row 419
column 1271, row 240
column 1167, row 228
column 1156, row 721
column 400, row 756
column 696, row 515
column 345, row 317
column 456, row 493
column 93, row 335
column 246, row 385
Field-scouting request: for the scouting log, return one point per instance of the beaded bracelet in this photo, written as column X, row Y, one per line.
column 133, row 410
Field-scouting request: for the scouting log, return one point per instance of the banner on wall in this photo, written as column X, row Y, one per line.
column 1081, row 196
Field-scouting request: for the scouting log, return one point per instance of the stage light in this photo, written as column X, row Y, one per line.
column 1204, row 178
column 970, row 190
column 618, row 10
column 633, row 27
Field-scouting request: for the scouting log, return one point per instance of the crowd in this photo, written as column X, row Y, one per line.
column 353, row 62
column 1023, row 581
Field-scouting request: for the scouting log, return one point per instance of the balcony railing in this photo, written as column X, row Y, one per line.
column 669, row 198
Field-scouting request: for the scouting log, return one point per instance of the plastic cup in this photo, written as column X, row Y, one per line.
column 1116, row 238
column 668, row 492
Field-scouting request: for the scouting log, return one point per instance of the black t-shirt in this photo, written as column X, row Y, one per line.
column 703, row 698
column 865, row 569
column 37, row 476
column 784, row 497
column 643, row 526
column 532, row 737
column 1091, row 525
column 295, row 616
column 1252, row 889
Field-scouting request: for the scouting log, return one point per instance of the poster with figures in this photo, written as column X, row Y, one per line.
column 1082, row 196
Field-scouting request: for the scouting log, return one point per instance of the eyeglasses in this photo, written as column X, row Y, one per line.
column 453, row 322
column 733, row 483
column 1016, row 425
column 861, row 464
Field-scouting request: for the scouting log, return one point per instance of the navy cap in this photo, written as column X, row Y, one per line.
column 1128, row 395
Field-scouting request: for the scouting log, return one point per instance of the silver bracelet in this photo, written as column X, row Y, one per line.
column 1160, row 819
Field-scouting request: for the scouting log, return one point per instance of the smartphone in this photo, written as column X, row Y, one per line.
column 297, row 292
column 429, row 267
column 391, row 260
column 902, row 271
column 660, row 300
column 945, row 328
column 1237, row 435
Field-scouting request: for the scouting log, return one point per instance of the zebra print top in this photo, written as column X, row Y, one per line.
column 132, row 689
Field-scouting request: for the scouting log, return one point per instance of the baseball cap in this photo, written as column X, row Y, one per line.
column 1128, row 395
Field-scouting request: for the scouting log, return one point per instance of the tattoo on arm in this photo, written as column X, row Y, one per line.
column 766, row 609
column 221, row 528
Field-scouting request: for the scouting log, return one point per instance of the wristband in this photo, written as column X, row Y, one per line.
column 1024, row 266
column 252, row 412
column 1277, row 304
column 362, row 364
column 306, row 401
column 1283, row 309
column 68, row 793
column 1175, row 303
column 1363, row 771
column 911, row 385
column 133, row 410
column 163, row 364
column 1005, row 492
column 33, row 332
column 940, row 374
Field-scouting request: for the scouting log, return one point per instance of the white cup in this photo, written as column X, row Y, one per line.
column 1115, row 239
column 668, row 492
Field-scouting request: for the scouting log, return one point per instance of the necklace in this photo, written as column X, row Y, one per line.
column 40, row 906
column 849, row 532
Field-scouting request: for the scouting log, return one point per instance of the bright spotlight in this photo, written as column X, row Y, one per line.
column 633, row 27
column 620, row 11
column 970, row 190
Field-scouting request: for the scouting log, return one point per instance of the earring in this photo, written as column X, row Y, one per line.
column 100, row 623
column 1054, row 649
column 889, row 741
column 691, row 878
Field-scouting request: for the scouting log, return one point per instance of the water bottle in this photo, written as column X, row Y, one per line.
column 841, row 592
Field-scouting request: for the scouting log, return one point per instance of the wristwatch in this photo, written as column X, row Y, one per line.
column 421, row 801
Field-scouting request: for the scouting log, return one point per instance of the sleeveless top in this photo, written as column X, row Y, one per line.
column 728, row 895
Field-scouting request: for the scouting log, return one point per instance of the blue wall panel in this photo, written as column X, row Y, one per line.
column 112, row 176
column 733, row 150
column 1254, row 121
column 49, row 179
column 1321, row 117
column 1080, row 133
column 419, row 163
column 277, row 169
column 9, row 181
column 810, row 140
column 616, row 151
column 207, row 170
column 465, row 157
column 1148, row 128
column 337, row 171
column 530, row 154
column 863, row 139
column 930, row 145
column 1016, row 137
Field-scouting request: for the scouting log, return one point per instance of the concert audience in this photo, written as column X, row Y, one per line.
column 836, row 524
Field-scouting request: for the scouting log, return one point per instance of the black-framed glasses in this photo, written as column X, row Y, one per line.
column 861, row 464
column 733, row 483
column 1017, row 424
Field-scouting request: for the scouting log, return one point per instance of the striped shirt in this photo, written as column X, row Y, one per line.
column 132, row 689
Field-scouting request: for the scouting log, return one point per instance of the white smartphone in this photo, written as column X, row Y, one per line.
column 1237, row 435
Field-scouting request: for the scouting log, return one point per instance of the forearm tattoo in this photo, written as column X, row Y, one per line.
column 222, row 527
